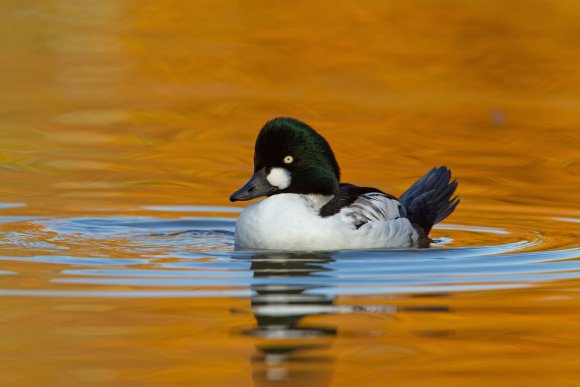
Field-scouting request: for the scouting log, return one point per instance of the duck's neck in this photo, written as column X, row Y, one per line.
column 317, row 200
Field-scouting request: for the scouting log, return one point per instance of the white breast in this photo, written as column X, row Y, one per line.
column 292, row 222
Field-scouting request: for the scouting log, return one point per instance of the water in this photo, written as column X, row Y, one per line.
column 194, row 256
column 125, row 126
column 101, row 268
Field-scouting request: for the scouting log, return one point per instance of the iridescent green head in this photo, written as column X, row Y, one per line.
column 290, row 157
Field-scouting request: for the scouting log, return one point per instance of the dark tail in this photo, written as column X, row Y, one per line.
column 429, row 201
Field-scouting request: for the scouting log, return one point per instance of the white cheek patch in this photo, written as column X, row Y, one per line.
column 279, row 177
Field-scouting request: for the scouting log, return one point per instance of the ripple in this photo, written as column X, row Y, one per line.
column 194, row 256
column 84, row 261
column 123, row 294
column 492, row 230
column 234, row 210
column 12, row 205
column 570, row 220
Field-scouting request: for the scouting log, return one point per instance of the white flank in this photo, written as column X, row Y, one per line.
column 292, row 222
column 279, row 177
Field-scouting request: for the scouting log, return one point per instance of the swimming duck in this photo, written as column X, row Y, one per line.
column 307, row 208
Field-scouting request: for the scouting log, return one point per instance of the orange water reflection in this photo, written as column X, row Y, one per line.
column 107, row 107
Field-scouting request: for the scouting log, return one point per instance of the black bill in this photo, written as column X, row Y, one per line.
column 257, row 186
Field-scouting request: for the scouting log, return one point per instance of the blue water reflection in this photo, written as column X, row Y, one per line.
column 195, row 257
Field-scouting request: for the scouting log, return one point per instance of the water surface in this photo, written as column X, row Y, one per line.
column 126, row 125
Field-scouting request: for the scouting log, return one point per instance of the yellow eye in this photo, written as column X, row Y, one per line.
column 288, row 159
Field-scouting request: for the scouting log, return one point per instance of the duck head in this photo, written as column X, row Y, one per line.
column 290, row 157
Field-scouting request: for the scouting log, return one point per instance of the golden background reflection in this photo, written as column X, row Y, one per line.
column 110, row 107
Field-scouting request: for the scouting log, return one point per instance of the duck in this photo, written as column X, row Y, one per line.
column 306, row 207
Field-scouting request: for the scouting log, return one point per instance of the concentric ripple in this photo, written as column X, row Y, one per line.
column 150, row 256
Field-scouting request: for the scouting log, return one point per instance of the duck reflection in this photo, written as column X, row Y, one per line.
column 286, row 290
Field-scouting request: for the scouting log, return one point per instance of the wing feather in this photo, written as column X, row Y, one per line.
column 374, row 206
